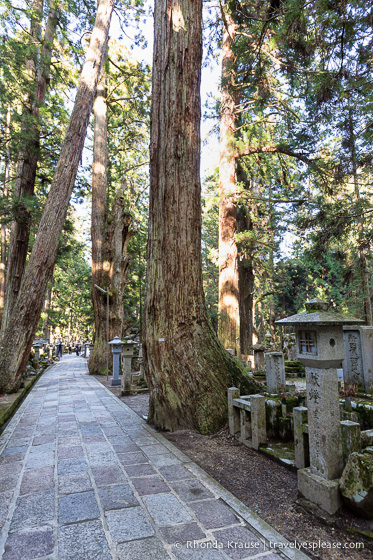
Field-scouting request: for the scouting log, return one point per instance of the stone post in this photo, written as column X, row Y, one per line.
column 358, row 363
column 275, row 372
column 116, row 349
column 245, row 425
column 127, row 368
column 233, row 413
column 258, row 420
column 141, row 365
column 50, row 352
column 302, row 454
column 324, row 427
column 351, row 441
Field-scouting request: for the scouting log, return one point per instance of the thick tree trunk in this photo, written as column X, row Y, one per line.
column 4, row 228
column 101, row 261
column 17, row 339
column 120, row 237
column 110, row 238
column 27, row 162
column 47, row 308
column 246, row 283
column 228, row 322
column 187, row 369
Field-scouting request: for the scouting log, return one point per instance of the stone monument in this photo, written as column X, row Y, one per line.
column 319, row 339
column 128, row 354
column 358, row 364
column 275, row 372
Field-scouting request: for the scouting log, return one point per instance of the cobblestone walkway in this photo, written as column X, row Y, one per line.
column 82, row 477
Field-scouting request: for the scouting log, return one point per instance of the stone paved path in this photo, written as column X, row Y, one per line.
column 82, row 477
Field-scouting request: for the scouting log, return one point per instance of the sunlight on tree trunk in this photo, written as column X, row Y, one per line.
column 188, row 371
column 229, row 321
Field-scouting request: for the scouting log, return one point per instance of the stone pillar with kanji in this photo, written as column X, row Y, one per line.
column 319, row 341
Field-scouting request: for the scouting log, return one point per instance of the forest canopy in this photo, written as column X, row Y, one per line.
column 287, row 211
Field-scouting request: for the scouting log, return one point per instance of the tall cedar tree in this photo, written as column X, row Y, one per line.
column 229, row 321
column 17, row 339
column 38, row 66
column 188, row 370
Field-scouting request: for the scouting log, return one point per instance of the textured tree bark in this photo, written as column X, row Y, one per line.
column 28, row 159
column 101, row 261
column 110, row 238
column 121, row 233
column 246, row 281
column 363, row 265
column 188, row 371
column 4, row 228
column 17, row 339
column 229, row 319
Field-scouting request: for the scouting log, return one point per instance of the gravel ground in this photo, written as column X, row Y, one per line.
column 267, row 488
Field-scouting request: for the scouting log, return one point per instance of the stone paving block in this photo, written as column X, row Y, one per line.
column 8, row 459
column 150, row 485
column 71, row 465
column 182, row 533
column 144, row 549
column 103, row 459
column 239, row 542
column 176, row 472
column 125, row 447
column 213, row 514
column 98, row 447
column 37, row 480
column 200, row 551
column 155, row 449
column 165, row 460
column 117, row 497
column 33, row 511
column 94, row 429
column 113, row 431
column 66, row 418
column 128, row 524
column 5, row 501
column 132, row 458
column 67, row 427
column 19, row 442
column 68, row 441
column 29, row 544
column 26, row 430
column 15, row 450
column 134, row 471
column 77, row 507
column 72, row 452
column 38, row 460
column 83, row 541
column 74, row 482
column 191, row 490
column 108, row 475
column 166, row 509
column 40, row 440
column 10, row 469
column 43, row 448
column 8, row 482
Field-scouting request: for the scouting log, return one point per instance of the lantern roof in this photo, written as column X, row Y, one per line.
column 116, row 340
column 318, row 313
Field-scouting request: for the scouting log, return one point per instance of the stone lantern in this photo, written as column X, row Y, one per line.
column 320, row 347
column 87, row 346
column 37, row 345
column 116, row 347
column 128, row 354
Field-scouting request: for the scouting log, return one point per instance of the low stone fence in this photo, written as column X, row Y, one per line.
column 255, row 418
